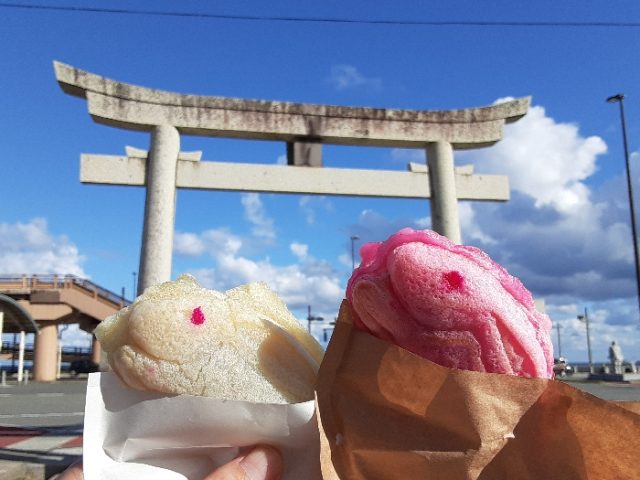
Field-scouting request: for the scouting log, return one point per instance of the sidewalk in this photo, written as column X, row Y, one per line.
column 37, row 454
column 575, row 377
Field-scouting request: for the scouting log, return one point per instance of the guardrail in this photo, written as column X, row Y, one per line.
column 10, row 347
column 53, row 281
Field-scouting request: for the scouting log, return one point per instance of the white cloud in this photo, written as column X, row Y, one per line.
column 31, row 248
column 307, row 282
column 213, row 240
column 73, row 336
column 300, row 250
column 188, row 244
column 375, row 227
column 255, row 213
column 546, row 160
column 555, row 233
column 345, row 259
column 423, row 222
column 472, row 232
column 305, row 206
column 347, row 76
column 313, row 206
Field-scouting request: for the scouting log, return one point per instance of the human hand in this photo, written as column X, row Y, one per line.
column 74, row 472
column 261, row 463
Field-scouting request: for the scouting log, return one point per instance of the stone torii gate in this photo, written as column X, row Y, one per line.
column 305, row 128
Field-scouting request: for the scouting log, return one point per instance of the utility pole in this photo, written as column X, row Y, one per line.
column 585, row 318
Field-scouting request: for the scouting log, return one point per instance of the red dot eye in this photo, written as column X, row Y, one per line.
column 197, row 316
column 453, row 280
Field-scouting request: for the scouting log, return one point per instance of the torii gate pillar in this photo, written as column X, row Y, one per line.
column 159, row 208
column 444, row 200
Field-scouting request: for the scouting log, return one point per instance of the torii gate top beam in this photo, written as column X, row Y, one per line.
column 138, row 108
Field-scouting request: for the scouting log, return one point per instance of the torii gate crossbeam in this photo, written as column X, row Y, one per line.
column 167, row 115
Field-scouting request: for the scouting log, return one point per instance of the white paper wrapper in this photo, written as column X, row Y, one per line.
column 130, row 434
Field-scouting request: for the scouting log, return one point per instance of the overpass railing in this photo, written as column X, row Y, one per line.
column 54, row 281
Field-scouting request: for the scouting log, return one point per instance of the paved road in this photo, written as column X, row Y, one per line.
column 61, row 404
column 43, row 404
column 41, row 424
column 41, row 428
column 610, row 390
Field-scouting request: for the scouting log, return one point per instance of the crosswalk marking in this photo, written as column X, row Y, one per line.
column 41, row 443
column 62, row 441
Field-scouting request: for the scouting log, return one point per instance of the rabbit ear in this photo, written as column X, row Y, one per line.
column 286, row 364
column 266, row 303
column 278, row 330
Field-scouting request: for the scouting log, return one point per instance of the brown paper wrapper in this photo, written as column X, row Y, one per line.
column 386, row 413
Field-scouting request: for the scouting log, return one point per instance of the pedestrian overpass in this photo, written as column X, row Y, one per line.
column 39, row 304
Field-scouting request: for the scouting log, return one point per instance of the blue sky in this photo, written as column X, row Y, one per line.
column 565, row 232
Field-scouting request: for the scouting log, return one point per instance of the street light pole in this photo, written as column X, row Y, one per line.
column 311, row 318
column 585, row 318
column 619, row 98
column 135, row 286
column 559, row 344
column 61, row 329
column 353, row 255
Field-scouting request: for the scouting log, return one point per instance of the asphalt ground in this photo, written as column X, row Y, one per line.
column 622, row 392
column 41, row 424
column 43, row 404
column 61, row 404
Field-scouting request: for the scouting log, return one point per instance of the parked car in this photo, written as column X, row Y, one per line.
column 83, row 366
column 561, row 367
column 13, row 369
column 10, row 369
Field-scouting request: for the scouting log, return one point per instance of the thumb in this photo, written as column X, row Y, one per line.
column 74, row 472
column 261, row 463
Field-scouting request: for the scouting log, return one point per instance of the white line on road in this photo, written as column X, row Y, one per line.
column 37, row 415
column 52, row 394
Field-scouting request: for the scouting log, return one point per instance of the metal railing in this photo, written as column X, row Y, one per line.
column 9, row 346
column 54, row 281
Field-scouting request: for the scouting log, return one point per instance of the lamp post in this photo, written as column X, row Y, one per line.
column 61, row 329
column 311, row 318
column 327, row 329
column 619, row 98
column 559, row 344
column 135, row 286
column 353, row 255
column 585, row 318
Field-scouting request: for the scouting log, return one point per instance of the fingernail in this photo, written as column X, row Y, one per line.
column 255, row 465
